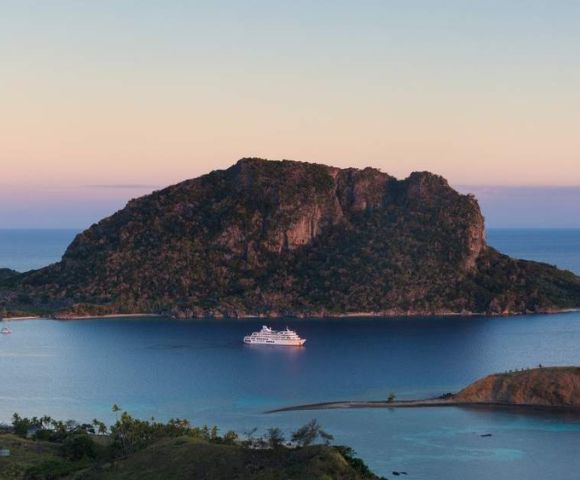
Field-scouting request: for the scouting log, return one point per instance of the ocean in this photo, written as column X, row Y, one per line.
column 200, row 370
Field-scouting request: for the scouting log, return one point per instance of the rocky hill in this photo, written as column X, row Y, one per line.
column 282, row 237
column 546, row 387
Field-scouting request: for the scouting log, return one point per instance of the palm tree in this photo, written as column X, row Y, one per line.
column 275, row 437
column 100, row 427
column 307, row 434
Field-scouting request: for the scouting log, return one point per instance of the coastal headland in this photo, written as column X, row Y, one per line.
column 556, row 388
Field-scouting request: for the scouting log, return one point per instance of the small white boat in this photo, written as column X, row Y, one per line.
column 5, row 331
column 267, row 336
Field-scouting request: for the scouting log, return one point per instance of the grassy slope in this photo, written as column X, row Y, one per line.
column 24, row 454
column 188, row 458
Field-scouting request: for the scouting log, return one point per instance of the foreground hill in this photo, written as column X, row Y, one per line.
column 181, row 458
column 186, row 458
column 546, row 387
column 43, row 448
column 274, row 238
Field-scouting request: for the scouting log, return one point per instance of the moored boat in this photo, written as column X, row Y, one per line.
column 267, row 336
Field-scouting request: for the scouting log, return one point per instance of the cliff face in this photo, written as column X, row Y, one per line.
column 286, row 237
column 548, row 387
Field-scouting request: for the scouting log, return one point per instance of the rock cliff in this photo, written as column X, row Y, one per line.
column 282, row 237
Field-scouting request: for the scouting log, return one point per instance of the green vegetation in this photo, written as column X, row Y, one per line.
column 276, row 238
column 46, row 449
column 6, row 273
column 309, row 433
column 274, row 438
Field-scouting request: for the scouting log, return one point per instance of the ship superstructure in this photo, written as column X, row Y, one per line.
column 267, row 336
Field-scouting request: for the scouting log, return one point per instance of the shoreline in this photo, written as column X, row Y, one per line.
column 84, row 317
column 435, row 402
column 347, row 404
column 109, row 315
column 36, row 317
column 361, row 315
column 386, row 314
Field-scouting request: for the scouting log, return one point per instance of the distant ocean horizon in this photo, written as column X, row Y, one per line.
column 24, row 249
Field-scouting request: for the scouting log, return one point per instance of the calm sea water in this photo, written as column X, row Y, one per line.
column 560, row 247
column 24, row 250
column 200, row 370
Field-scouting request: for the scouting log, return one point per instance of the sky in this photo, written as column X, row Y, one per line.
column 105, row 100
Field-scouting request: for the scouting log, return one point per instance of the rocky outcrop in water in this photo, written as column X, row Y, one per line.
column 276, row 238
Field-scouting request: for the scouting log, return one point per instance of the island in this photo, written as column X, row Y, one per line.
column 553, row 388
column 284, row 238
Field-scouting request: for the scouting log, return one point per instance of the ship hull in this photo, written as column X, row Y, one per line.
column 267, row 336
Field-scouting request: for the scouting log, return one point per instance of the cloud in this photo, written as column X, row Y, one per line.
column 124, row 186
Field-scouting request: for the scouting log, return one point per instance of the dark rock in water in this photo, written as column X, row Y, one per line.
column 276, row 238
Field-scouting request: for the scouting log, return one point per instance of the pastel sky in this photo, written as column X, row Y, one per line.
column 104, row 100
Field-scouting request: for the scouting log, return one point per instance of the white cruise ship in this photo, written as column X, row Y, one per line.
column 267, row 336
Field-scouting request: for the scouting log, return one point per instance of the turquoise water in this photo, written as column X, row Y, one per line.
column 202, row 371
